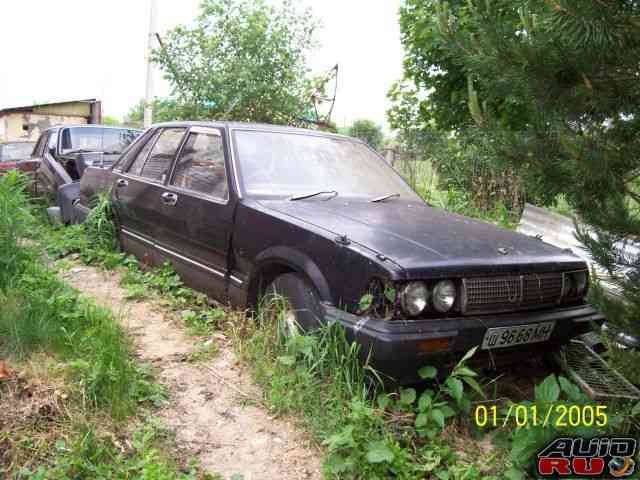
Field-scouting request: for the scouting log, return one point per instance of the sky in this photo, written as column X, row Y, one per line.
column 74, row 49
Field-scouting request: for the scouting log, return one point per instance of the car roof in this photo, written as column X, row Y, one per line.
column 92, row 125
column 261, row 127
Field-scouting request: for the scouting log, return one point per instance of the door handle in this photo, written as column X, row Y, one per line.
column 169, row 198
column 121, row 182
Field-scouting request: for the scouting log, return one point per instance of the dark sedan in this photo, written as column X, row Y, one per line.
column 241, row 210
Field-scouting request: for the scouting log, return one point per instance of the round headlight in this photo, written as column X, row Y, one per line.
column 414, row 298
column 444, row 296
column 580, row 280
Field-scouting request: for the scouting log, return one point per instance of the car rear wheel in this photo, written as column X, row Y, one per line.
column 292, row 297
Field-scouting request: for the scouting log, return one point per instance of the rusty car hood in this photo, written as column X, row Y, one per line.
column 427, row 240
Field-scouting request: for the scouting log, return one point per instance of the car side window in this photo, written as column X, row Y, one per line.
column 200, row 167
column 37, row 151
column 138, row 163
column 133, row 149
column 162, row 154
column 52, row 143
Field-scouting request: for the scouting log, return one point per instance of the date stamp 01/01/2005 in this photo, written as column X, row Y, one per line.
column 555, row 415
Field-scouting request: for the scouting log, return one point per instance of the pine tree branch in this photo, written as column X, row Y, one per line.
column 632, row 194
column 556, row 6
column 632, row 176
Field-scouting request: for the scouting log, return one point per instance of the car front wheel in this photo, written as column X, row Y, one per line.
column 292, row 298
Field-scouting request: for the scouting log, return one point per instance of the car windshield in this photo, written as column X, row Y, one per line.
column 96, row 139
column 293, row 164
column 10, row 152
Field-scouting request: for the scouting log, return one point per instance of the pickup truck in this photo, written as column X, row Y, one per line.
column 64, row 152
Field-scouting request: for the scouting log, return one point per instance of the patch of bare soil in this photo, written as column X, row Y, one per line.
column 208, row 408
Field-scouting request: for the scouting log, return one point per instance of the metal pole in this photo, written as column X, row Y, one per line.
column 148, row 98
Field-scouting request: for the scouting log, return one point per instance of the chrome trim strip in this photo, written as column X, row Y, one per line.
column 188, row 260
column 138, row 237
column 230, row 132
column 177, row 255
column 137, row 178
column 236, row 280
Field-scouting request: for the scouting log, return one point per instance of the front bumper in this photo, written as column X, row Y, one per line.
column 399, row 348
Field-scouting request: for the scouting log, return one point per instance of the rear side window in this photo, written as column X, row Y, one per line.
column 154, row 159
column 162, row 154
column 133, row 149
column 52, row 142
column 138, row 163
column 200, row 167
column 37, row 151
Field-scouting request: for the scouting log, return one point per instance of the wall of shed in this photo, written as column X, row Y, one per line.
column 73, row 109
column 23, row 126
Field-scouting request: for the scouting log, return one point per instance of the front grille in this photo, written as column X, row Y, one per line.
column 508, row 293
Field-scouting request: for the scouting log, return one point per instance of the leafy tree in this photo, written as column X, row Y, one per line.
column 550, row 89
column 367, row 131
column 111, row 121
column 164, row 110
column 243, row 60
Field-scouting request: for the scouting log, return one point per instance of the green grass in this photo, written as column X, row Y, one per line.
column 43, row 318
column 47, row 315
column 366, row 431
column 93, row 455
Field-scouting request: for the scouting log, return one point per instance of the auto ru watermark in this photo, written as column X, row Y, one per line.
column 602, row 457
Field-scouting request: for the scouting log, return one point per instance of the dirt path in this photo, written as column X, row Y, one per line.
column 210, row 419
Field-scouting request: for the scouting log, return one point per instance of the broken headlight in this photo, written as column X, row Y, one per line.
column 414, row 298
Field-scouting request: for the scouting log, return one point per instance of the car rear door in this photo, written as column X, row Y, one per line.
column 138, row 190
column 196, row 215
column 51, row 174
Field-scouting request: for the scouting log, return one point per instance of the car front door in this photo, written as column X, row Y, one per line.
column 138, row 189
column 196, row 215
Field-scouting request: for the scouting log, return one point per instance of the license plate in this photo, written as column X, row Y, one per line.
column 509, row 336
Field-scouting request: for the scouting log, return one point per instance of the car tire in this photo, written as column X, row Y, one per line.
column 301, row 301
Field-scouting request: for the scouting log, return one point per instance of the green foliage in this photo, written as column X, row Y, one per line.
column 45, row 314
column 164, row 110
column 42, row 313
column 99, row 225
column 110, row 121
column 459, row 202
column 544, row 91
column 90, row 352
column 368, row 132
column 91, row 455
column 16, row 219
column 368, row 433
column 549, row 422
column 95, row 242
column 242, row 60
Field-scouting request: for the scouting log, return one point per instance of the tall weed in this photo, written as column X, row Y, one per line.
column 16, row 219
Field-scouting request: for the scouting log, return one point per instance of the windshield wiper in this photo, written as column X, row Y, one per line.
column 385, row 197
column 79, row 150
column 309, row 195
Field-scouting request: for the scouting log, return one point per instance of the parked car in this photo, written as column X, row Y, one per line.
column 64, row 152
column 241, row 210
column 13, row 152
